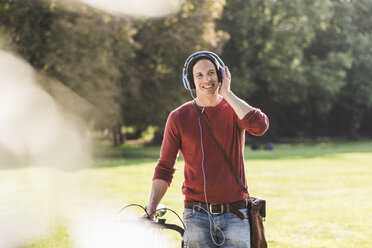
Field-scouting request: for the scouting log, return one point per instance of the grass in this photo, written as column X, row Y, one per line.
column 318, row 194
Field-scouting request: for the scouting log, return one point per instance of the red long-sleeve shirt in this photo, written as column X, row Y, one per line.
column 182, row 132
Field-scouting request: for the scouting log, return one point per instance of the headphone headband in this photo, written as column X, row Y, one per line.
column 188, row 80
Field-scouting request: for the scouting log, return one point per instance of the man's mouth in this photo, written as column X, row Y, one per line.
column 209, row 86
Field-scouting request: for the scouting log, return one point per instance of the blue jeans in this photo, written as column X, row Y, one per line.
column 216, row 230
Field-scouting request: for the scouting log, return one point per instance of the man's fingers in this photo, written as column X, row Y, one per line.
column 226, row 72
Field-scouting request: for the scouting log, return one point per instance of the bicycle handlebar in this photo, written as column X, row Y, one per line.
column 173, row 227
column 160, row 221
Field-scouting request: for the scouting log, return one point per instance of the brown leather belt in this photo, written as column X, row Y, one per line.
column 219, row 208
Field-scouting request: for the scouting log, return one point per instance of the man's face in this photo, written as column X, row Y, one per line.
column 205, row 78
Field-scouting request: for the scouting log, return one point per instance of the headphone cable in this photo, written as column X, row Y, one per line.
column 205, row 192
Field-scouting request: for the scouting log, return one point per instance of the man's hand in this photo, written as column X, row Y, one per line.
column 226, row 82
column 150, row 213
column 146, row 216
column 240, row 107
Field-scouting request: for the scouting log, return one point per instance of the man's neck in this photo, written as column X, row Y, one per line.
column 211, row 101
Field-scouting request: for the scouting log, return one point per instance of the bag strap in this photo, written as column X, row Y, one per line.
column 226, row 158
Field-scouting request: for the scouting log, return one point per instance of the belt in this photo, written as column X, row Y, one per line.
column 219, row 208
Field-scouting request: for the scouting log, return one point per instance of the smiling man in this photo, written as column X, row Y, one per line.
column 215, row 212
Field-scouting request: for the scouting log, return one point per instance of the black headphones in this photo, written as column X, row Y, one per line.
column 187, row 76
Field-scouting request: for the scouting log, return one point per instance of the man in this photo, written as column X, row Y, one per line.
column 215, row 206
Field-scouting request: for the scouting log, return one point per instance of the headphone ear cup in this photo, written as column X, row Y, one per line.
column 219, row 74
column 189, row 84
column 190, row 79
column 186, row 82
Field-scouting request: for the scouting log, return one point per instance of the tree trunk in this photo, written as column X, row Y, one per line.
column 314, row 119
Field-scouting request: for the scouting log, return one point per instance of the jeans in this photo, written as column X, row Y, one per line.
column 216, row 230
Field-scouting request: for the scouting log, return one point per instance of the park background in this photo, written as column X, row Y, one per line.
column 116, row 74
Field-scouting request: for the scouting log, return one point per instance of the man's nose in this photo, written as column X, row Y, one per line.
column 207, row 78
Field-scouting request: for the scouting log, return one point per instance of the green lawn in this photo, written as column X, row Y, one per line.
column 318, row 194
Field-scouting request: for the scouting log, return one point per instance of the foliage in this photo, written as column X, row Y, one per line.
column 355, row 99
column 282, row 61
column 164, row 44
column 73, row 44
column 304, row 63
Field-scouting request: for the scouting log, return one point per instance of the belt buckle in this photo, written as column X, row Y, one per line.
column 211, row 211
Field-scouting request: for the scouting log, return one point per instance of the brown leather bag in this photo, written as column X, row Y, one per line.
column 256, row 206
column 257, row 213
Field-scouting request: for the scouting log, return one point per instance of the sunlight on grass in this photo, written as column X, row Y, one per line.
column 317, row 195
column 317, row 202
column 58, row 238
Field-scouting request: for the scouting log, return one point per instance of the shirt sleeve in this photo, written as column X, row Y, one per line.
column 169, row 151
column 255, row 122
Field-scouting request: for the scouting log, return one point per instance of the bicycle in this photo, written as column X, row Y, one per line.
column 160, row 222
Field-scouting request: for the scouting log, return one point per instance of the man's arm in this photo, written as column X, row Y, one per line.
column 158, row 189
column 165, row 169
column 240, row 107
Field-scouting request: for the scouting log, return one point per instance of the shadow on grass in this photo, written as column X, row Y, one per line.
column 309, row 150
column 127, row 151
column 107, row 156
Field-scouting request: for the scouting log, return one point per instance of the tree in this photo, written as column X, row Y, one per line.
column 163, row 46
column 78, row 45
column 274, row 65
column 354, row 104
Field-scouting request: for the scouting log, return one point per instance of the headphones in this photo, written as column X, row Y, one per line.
column 187, row 76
